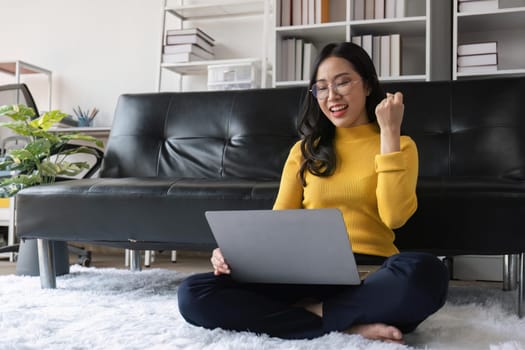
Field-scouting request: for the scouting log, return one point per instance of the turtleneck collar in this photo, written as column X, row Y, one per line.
column 356, row 133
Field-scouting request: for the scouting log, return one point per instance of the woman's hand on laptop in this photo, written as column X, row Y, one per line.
column 219, row 264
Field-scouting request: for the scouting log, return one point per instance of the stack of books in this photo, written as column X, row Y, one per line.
column 385, row 51
column 478, row 57
column 477, row 5
column 186, row 45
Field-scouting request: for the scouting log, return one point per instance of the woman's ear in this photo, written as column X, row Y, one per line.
column 368, row 89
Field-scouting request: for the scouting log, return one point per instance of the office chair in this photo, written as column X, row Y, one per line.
column 20, row 94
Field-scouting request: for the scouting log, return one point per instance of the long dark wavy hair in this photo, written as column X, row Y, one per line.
column 316, row 130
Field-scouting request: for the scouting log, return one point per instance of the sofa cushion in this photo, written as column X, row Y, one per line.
column 233, row 134
column 485, row 140
column 122, row 212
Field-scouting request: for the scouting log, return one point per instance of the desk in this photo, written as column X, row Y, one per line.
column 17, row 68
column 101, row 133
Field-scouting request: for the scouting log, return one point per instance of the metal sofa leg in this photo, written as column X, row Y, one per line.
column 134, row 256
column 510, row 271
column 46, row 264
column 148, row 257
column 126, row 257
column 521, row 286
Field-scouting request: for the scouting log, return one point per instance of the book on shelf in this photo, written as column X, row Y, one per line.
column 337, row 11
column 189, row 39
column 478, row 6
column 357, row 39
column 400, row 8
column 322, row 11
column 290, row 69
column 478, row 48
column 379, row 9
column 282, row 69
column 196, row 49
column 376, row 53
column 181, row 57
column 311, row 12
column 296, row 12
column 478, row 60
column 395, row 55
column 390, row 8
column 478, row 69
column 309, row 53
column 369, row 9
column 359, row 10
column 385, row 55
column 366, row 43
column 298, row 58
column 304, row 12
column 286, row 13
column 190, row 31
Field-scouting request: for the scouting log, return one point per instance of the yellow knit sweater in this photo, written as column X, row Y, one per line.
column 375, row 192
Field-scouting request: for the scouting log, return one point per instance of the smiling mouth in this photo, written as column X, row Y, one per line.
column 338, row 108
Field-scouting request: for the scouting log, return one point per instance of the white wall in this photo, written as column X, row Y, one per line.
column 96, row 49
column 99, row 49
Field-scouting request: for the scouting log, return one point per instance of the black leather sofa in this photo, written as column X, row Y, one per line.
column 171, row 156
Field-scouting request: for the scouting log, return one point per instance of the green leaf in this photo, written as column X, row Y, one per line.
column 17, row 112
column 49, row 168
column 21, row 128
column 39, row 148
column 20, row 155
column 72, row 169
column 82, row 137
column 48, row 119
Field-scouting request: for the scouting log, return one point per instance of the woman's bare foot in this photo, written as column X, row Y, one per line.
column 378, row 331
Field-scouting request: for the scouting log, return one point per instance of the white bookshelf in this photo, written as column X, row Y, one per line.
column 197, row 14
column 504, row 25
column 425, row 37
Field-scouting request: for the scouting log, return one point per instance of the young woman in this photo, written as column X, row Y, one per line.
column 351, row 156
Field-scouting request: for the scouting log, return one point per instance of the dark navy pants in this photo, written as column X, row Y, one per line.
column 405, row 290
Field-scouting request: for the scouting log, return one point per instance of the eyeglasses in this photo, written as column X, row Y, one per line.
column 343, row 87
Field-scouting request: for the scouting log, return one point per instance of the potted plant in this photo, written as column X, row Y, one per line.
column 45, row 156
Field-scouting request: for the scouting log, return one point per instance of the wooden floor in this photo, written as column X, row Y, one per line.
column 186, row 261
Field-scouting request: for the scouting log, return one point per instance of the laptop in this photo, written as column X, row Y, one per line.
column 293, row 246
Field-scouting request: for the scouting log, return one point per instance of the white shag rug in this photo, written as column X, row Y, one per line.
column 118, row 309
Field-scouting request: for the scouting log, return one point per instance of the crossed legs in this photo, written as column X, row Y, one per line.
column 406, row 289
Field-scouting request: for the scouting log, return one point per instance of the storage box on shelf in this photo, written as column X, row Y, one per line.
column 422, row 27
column 245, row 75
column 501, row 24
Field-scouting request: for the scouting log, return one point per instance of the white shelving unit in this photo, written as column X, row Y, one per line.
column 185, row 11
column 20, row 68
column 506, row 26
column 425, row 37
